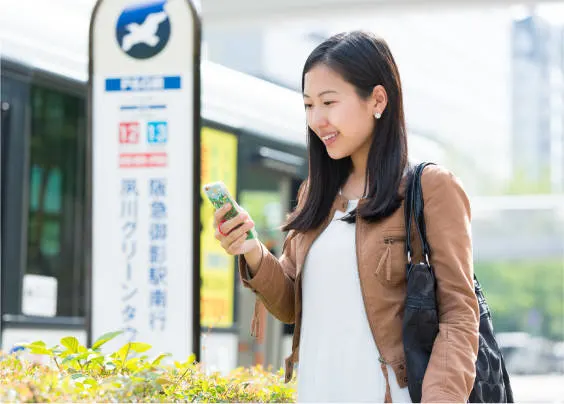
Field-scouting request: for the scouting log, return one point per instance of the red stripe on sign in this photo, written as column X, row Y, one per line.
column 139, row 160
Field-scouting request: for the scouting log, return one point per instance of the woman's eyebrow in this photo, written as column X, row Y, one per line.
column 321, row 93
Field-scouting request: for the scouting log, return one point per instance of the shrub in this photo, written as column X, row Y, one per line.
column 79, row 374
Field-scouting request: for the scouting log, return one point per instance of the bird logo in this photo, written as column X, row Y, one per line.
column 143, row 30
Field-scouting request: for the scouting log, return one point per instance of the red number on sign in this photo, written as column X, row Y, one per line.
column 129, row 132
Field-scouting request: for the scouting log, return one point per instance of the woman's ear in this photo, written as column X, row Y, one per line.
column 379, row 100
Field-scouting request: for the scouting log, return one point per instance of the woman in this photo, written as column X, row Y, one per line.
column 341, row 277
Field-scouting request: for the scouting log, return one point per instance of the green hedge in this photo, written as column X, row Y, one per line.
column 515, row 290
column 80, row 374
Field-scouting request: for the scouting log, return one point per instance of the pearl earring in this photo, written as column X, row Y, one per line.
column 377, row 115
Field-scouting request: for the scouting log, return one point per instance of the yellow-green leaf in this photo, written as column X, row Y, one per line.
column 91, row 382
column 71, row 343
column 132, row 364
column 105, row 338
column 97, row 359
column 69, row 358
column 140, row 347
column 159, row 358
column 82, row 356
column 38, row 343
column 163, row 381
column 123, row 352
column 38, row 350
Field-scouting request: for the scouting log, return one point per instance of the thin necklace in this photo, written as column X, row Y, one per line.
column 363, row 196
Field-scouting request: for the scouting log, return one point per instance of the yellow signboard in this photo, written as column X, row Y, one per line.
column 219, row 163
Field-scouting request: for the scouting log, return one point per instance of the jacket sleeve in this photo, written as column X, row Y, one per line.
column 452, row 367
column 274, row 280
column 273, row 283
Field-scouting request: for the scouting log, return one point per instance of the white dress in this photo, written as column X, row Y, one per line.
column 338, row 359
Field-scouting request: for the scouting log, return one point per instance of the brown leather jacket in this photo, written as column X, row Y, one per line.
column 381, row 265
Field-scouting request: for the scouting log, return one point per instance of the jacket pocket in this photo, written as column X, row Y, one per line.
column 391, row 259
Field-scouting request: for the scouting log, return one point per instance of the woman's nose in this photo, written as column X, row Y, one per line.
column 317, row 119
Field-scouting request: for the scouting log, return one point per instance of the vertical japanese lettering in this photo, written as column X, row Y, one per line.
column 157, row 271
column 129, row 237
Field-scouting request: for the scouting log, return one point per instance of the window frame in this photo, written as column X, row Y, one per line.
column 14, row 269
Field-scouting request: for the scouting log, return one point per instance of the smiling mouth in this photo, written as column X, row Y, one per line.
column 329, row 138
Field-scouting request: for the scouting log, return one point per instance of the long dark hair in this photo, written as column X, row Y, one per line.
column 364, row 61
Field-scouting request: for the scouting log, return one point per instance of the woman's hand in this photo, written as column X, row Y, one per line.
column 234, row 238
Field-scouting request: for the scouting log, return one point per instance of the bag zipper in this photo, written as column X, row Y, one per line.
column 393, row 239
column 389, row 241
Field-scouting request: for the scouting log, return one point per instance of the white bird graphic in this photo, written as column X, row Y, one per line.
column 145, row 32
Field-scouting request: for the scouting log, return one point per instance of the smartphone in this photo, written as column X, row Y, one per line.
column 218, row 195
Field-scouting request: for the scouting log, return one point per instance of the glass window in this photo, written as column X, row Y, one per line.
column 56, row 196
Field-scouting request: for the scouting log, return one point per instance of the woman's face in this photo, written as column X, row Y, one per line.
column 337, row 115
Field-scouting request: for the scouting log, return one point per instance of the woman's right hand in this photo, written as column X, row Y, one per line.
column 234, row 231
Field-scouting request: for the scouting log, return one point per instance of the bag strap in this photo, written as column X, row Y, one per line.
column 408, row 202
column 413, row 211
column 414, row 208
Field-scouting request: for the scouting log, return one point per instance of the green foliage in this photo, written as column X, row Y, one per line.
column 80, row 374
column 525, row 296
column 522, row 183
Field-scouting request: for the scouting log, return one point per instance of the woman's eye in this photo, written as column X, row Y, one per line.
column 307, row 106
column 328, row 102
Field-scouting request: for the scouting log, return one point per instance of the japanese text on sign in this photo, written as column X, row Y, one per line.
column 129, row 205
column 157, row 254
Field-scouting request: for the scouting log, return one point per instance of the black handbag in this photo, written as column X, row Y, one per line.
column 421, row 322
